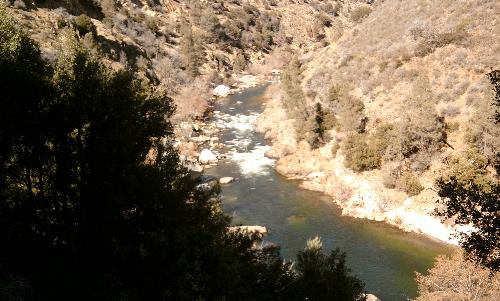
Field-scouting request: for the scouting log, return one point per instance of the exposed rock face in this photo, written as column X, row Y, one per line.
column 207, row 157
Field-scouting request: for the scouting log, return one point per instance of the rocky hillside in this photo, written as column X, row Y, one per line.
column 381, row 106
column 391, row 106
column 184, row 47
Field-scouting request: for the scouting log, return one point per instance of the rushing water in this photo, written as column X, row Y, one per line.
column 384, row 257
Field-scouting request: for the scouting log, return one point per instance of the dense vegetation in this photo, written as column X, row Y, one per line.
column 455, row 278
column 94, row 203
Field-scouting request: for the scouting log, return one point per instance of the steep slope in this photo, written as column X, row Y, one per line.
column 411, row 101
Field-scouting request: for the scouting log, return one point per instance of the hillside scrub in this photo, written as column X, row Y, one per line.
column 349, row 109
column 455, row 278
column 359, row 155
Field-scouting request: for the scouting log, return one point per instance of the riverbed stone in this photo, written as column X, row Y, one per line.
column 226, row 180
column 207, row 157
column 371, row 297
column 221, row 91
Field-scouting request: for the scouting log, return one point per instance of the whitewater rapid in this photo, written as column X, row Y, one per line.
column 250, row 157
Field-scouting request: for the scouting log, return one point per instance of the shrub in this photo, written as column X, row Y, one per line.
column 19, row 4
column 360, row 13
column 324, row 277
column 450, row 110
column 61, row 22
column 431, row 40
column 359, row 156
column 84, row 25
column 483, row 133
column 409, row 183
column 240, row 62
column 349, row 109
column 381, row 138
column 467, row 167
column 152, row 23
column 456, row 278
column 419, row 129
column 390, row 175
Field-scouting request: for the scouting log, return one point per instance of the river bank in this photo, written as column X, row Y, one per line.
column 197, row 140
column 358, row 195
column 384, row 257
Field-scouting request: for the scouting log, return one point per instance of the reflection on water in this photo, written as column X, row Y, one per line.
column 384, row 257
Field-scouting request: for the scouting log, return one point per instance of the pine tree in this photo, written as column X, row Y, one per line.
column 240, row 62
column 190, row 50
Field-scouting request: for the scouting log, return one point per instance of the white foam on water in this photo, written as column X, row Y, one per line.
column 238, row 122
column 250, row 161
column 253, row 162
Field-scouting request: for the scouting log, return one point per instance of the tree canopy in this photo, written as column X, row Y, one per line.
column 95, row 204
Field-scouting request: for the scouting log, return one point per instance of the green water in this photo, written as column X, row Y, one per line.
column 384, row 257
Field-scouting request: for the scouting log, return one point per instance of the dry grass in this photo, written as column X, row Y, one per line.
column 452, row 43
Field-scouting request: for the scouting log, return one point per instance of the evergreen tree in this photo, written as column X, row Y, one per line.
column 477, row 205
column 190, row 50
column 94, row 203
column 240, row 62
column 324, row 277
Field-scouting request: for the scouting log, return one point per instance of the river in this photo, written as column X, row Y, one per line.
column 384, row 257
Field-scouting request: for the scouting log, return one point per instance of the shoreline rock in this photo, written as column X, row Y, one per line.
column 226, row 180
column 207, row 157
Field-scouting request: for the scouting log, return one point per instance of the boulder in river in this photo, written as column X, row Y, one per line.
column 221, row 91
column 207, row 157
column 226, row 180
column 370, row 297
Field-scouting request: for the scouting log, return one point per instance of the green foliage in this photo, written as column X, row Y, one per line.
column 382, row 138
column 359, row 155
column 84, row 25
column 348, row 109
column 359, row 13
column 294, row 99
column 466, row 167
column 324, row 277
column 483, row 133
column 190, row 49
column 240, row 62
column 94, row 203
column 409, row 183
column 430, row 41
column 477, row 205
column 316, row 126
column 420, row 129
column 210, row 23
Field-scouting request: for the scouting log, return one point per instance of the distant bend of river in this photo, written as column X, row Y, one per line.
column 383, row 257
